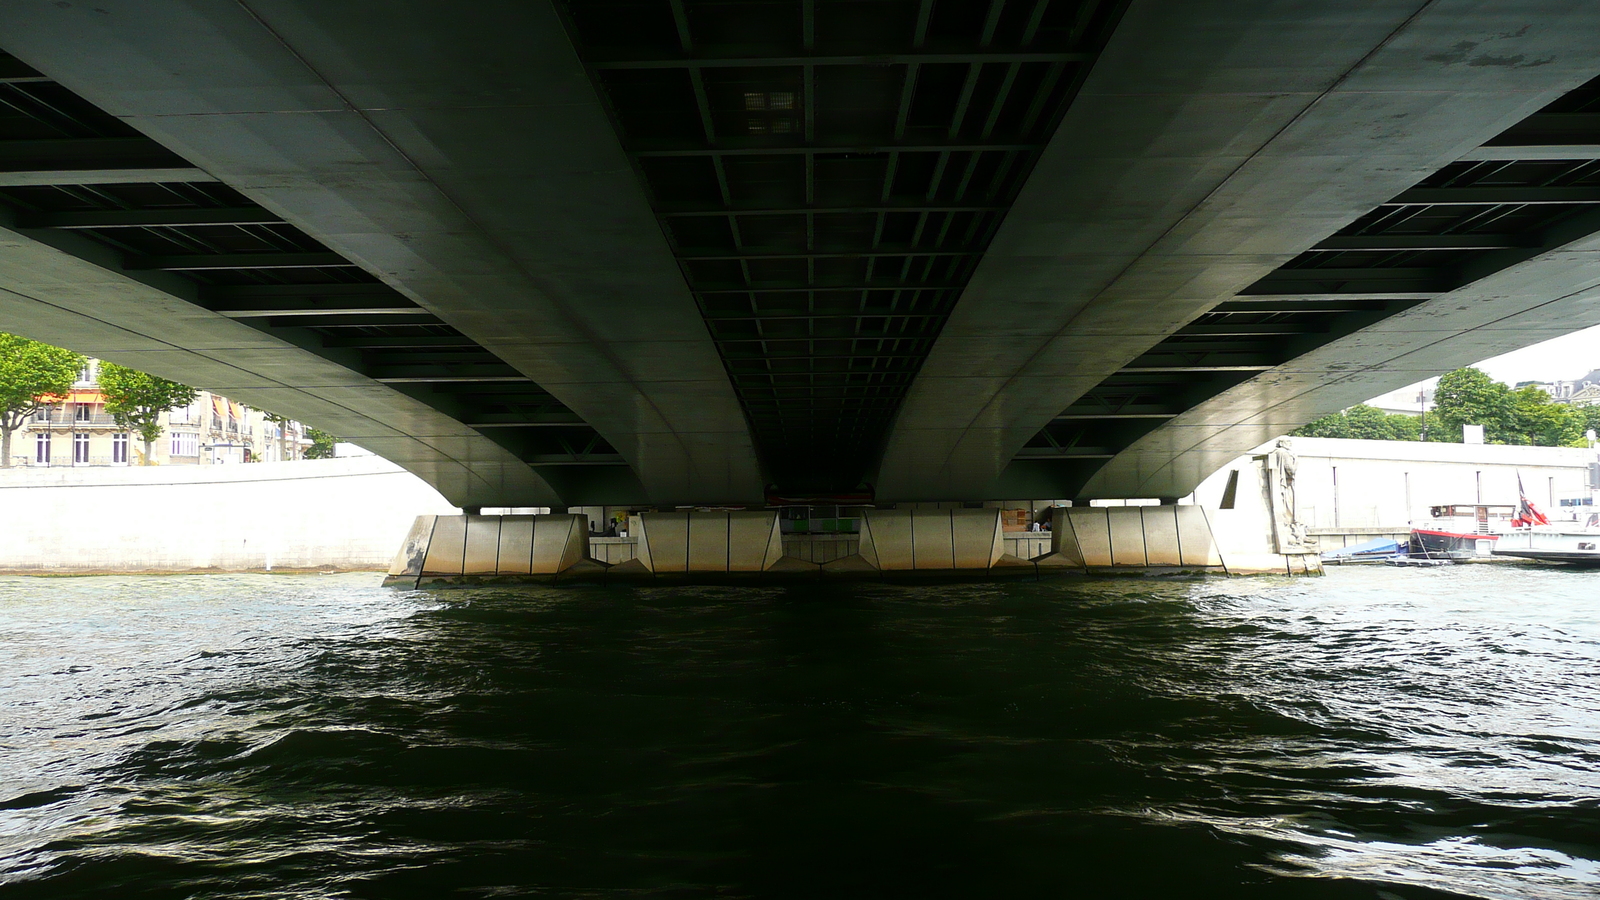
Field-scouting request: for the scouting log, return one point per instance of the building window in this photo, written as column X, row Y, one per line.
column 80, row 448
column 119, row 448
column 86, row 374
column 82, row 412
column 41, row 447
column 185, row 443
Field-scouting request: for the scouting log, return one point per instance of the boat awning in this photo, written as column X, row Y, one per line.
column 1374, row 547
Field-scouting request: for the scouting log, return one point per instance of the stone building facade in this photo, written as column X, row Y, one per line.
column 77, row 431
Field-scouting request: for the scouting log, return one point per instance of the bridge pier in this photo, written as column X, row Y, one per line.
column 1160, row 539
column 712, row 545
column 1168, row 539
column 471, row 548
column 929, row 542
column 720, row 546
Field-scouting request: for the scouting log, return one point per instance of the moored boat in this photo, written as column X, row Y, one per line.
column 1428, row 543
column 1534, row 537
column 1578, row 548
column 1460, row 531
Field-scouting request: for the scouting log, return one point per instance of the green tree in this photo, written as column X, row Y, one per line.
column 31, row 375
column 1365, row 423
column 1586, row 419
column 1538, row 421
column 136, row 400
column 1470, row 397
column 321, row 444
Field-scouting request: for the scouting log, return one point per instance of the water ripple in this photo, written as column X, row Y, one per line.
column 1376, row 733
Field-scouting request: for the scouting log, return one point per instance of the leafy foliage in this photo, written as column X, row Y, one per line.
column 31, row 375
column 136, row 400
column 1525, row 416
column 1588, row 419
column 1471, row 397
column 1366, row 423
column 321, row 444
column 1537, row 421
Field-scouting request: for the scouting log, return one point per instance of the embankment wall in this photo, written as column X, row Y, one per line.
column 1356, row 489
column 318, row 514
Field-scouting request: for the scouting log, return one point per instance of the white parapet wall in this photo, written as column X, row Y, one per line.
column 328, row 514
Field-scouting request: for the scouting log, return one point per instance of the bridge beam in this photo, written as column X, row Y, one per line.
column 92, row 160
column 1168, row 190
column 1551, row 294
column 421, row 170
column 72, row 292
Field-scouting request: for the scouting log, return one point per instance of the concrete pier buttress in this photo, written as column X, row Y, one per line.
column 1132, row 538
column 1169, row 539
column 708, row 545
column 929, row 542
column 721, row 545
column 503, row 548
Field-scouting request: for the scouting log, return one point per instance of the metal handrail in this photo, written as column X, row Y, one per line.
column 67, row 423
column 26, row 461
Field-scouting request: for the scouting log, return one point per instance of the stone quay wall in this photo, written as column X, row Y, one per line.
column 318, row 515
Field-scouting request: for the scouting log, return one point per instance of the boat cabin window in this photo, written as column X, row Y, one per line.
column 1471, row 510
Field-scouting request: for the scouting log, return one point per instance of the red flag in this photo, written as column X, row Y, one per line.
column 1527, row 515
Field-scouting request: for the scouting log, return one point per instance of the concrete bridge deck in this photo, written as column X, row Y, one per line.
column 665, row 252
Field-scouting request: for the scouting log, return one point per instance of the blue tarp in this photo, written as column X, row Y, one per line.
column 1378, row 548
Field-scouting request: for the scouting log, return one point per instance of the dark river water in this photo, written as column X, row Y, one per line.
column 1376, row 733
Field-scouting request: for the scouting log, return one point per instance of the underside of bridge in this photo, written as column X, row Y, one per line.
column 828, row 176
column 1509, row 202
column 696, row 252
column 80, row 181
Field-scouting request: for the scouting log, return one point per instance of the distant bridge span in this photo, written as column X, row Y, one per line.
column 686, row 252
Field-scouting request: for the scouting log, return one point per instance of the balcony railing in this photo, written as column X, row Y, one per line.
column 27, row 461
column 67, row 423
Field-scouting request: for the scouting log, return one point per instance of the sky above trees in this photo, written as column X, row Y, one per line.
column 1565, row 358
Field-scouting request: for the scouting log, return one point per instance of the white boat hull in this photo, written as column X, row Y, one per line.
column 1580, row 548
